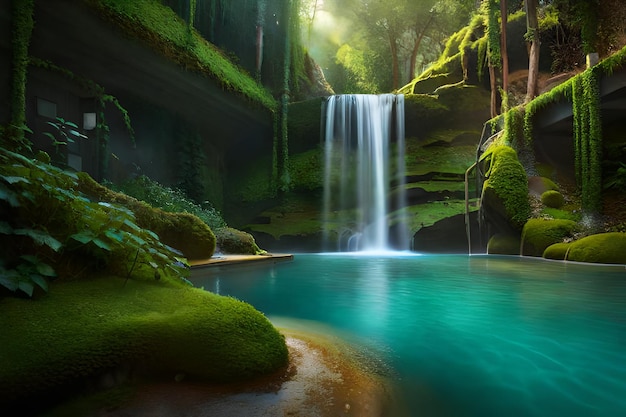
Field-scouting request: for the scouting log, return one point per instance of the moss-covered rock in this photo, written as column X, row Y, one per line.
column 235, row 241
column 557, row 251
column 553, row 199
column 539, row 185
column 608, row 248
column 505, row 191
column 504, row 244
column 182, row 231
column 538, row 234
column 83, row 329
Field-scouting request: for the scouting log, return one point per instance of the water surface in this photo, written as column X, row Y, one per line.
column 461, row 336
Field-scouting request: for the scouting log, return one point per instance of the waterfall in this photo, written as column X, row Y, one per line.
column 364, row 186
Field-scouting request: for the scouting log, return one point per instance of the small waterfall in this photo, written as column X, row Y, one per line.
column 364, row 187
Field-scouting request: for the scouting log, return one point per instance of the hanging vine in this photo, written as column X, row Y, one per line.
column 23, row 24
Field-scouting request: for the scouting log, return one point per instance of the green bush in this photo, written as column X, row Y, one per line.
column 608, row 248
column 557, row 251
column 49, row 229
column 167, row 199
column 235, row 241
column 553, row 199
column 183, row 231
column 538, row 234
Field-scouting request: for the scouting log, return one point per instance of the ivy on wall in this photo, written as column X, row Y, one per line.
column 588, row 137
column 93, row 88
column 23, row 24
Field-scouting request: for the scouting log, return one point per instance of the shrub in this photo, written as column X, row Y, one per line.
column 557, row 251
column 538, row 234
column 231, row 240
column 553, row 199
column 183, row 231
column 49, row 228
column 608, row 248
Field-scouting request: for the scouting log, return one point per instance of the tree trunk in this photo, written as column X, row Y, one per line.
column 395, row 66
column 260, row 23
column 494, row 90
column 533, row 58
column 503, row 49
column 416, row 46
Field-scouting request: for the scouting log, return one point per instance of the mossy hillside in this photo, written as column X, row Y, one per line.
column 608, row 248
column 424, row 215
column 437, row 154
column 538, row 234
column 83, row 328
column 165, row 31
column 506, row 181
column 182, row 231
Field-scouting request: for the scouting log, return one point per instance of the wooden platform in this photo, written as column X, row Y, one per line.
column 225, row 260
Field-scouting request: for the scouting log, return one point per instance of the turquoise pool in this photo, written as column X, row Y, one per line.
column 462, row 336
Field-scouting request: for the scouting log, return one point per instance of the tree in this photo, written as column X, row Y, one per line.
column 532, row 35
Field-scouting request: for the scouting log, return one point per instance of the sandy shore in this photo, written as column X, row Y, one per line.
column 322, row 380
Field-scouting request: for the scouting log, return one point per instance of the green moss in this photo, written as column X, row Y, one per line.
column 182, row 231
column 306, row 170
column 424, row 215
column 553, row 199
column 422, row 159
column 562, row 214
column 22, row 28
column 609, row 248
column 538, row 234
column 501, row 244
column 83, row 328
column 235, row 241
column 159, row 26
column 557, row 251
column 506, row 179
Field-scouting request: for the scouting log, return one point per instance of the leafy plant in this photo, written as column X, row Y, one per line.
column 64, row 132
column 47, row 226
column 618, row 179
column 168, row 199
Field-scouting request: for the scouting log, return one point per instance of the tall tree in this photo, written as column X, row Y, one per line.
column 532, row 35
column 503, row 49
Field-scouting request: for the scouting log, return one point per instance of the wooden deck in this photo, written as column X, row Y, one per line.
column 225, row 260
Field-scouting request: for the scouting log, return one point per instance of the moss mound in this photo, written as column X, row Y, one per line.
column 503, row 244
column 85, row 328
column 607, row 248
column 553, row 199
column 538, row 234
column 557, row 251
column 182, row 231
column 505, row 190
column 235, row 241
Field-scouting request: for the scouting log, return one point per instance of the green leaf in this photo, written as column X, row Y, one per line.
column 102, row 244
column 71, row 124
column 9, row 279
column 137, row 239
column 9, row 196
column 5, row 228
column 40, row 238
column 40, row 281
column 83, row 237
column 114, row 235
column 45, row 270
column 14, row 180
column 76, row 133
column 26, row 286
column 131, row 225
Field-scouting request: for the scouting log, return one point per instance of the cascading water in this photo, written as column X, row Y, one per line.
column 364, row 193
